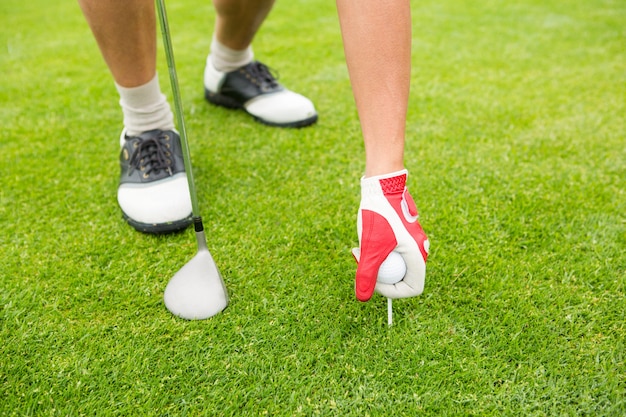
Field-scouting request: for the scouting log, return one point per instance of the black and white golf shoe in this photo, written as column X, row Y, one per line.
column 254, row 89
column 153, row 192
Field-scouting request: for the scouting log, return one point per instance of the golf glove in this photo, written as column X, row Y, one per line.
column 386, row 222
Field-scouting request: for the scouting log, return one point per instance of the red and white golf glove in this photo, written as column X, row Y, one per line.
column 387, row 221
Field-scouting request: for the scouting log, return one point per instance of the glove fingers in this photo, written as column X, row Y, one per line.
column 395, row 291
column 411, row 286
column 415, row 274
column 377, row 242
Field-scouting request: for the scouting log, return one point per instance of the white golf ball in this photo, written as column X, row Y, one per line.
column 392, row 270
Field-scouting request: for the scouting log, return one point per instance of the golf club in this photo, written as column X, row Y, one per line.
column 197, row 290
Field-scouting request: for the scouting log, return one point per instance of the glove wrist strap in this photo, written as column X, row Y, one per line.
column 384, row 184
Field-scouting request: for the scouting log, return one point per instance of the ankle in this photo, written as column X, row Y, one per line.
column 145, row 108
column 225, row 59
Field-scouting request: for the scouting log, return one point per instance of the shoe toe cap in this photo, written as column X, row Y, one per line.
column 281, row 108
column 162, row 201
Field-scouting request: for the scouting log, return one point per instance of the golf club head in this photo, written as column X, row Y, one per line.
column 196, row 291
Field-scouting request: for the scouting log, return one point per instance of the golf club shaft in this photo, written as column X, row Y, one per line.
column 169, row 54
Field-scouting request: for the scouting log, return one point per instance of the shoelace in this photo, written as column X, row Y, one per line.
column 263, row 73
column 151, row 155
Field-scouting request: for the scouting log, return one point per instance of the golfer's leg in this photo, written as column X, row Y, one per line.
column 125, row 31
column 238, row 21
column 233, row 79
column 153, row 193
column 377, row 43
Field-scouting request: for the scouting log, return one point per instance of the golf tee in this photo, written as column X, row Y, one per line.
column 389, row 312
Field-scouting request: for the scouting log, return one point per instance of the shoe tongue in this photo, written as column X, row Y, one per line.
column 150, row 134
column 152, row 152
column 263, row 73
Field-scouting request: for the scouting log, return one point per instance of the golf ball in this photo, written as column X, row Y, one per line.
column 392, row 270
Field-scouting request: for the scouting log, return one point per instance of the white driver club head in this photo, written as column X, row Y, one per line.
column 196, row 291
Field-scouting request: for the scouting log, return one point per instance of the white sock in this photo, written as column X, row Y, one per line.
column 145, row 108
column 225, row 59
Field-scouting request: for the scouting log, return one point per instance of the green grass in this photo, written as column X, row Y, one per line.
column 517, row 154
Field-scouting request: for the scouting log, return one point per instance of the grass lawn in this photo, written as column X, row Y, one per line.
column 516, row 149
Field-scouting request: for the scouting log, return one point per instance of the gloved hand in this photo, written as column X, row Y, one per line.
column 387, row 221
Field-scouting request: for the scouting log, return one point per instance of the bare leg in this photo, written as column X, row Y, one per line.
column 377, row 43
column 125, row 31
column 238, row 21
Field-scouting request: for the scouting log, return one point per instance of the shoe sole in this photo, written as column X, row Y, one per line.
column 229, row 103
column 159, row 228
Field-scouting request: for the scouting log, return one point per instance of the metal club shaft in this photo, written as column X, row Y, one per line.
column 180, row 119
